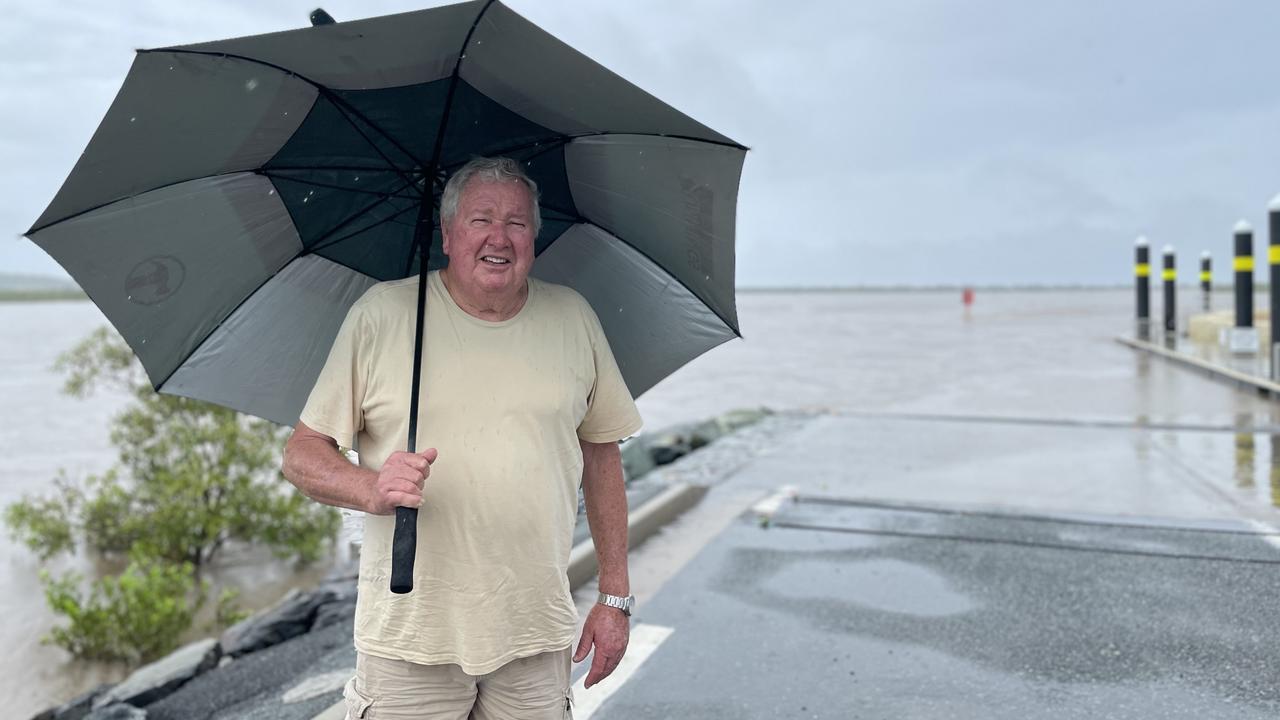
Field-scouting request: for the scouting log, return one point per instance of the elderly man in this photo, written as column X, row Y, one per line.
column 521, row 402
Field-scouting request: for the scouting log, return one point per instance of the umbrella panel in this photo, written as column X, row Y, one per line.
column 351, row 176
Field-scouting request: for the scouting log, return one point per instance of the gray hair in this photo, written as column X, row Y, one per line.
column 496, row 169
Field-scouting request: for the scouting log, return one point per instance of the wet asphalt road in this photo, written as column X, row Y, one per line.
column 963, row 569
column 978, row 617
column 932, row 569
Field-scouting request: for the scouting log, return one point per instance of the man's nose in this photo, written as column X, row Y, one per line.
column 506, row 233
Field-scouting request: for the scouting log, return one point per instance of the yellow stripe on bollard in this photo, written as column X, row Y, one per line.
column 1242, row 264
column 1206, row 276
column 1169, row 274
column 1273, row 254
column 1143, row 270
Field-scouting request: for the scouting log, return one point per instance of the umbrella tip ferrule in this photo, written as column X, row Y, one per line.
column 320, row 17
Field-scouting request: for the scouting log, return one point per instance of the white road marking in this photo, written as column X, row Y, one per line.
column 645, row 639
column 769, row 506
column 1272, row 540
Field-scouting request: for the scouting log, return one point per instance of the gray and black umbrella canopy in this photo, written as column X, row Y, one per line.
column 240, row 195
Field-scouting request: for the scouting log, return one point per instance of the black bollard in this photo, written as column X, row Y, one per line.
column 1273, row 259
column 1206, row 278
column 1243, row 338
column 1169, row 275
column 1243, row 266
column 1142, row 273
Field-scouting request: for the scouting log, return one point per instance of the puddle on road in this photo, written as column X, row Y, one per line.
column 1245, row 462
column 887, row 585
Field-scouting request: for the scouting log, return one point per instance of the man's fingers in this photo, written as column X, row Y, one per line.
column 416, row 461
column 430, row 454
column 601, row 666
column 584, row 647
column 404, row 499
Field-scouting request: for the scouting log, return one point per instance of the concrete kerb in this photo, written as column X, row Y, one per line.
column 1262, row 385
column 641, row 524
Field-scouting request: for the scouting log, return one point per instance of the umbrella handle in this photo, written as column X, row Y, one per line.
column 404, row 546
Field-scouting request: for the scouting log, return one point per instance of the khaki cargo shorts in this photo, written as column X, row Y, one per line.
column 532, row 688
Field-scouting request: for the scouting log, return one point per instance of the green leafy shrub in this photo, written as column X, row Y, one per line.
column 191, row 477
column 229, row 611
column 135, row 617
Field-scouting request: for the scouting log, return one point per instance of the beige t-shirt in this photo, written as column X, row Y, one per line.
column 506, row 404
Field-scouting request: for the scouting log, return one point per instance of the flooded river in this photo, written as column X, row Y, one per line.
column 1021, row 356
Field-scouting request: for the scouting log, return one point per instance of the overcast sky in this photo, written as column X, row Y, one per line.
column 893, row 141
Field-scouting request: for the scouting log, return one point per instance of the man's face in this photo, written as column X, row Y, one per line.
column 489, row 241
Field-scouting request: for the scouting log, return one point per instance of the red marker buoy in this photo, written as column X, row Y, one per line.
column 967, row 296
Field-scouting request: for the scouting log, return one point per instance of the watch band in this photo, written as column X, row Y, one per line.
column 625, row 604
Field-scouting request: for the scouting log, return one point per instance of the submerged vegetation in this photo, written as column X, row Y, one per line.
column 191, row 477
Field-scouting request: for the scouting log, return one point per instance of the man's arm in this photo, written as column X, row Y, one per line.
column 314, row 465
column 605, row 493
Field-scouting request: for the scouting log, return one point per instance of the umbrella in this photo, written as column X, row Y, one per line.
column 240, row 195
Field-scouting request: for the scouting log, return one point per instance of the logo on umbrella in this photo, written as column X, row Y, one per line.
column 153, row 280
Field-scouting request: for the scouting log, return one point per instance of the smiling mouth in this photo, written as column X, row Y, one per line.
column 490, row 259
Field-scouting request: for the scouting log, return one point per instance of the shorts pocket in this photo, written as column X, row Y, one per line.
column 357, row 704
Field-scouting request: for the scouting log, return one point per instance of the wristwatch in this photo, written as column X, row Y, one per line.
column 625, row 604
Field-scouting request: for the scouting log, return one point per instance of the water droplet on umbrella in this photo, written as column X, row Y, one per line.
column 305, row 199
column 251, row 85
column 135, row 117
column 272, row 191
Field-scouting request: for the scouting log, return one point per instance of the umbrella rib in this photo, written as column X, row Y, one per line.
column 349, row 168
column 211, row 331
column 690, row 138
column 157, row 386
column 429, row 186
column 268, row 173
column 568, row 138
column 109, row 203
column 648, row 257
column 403, row 175
column 330, row 243
column 354, row 216
column 322, row 89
